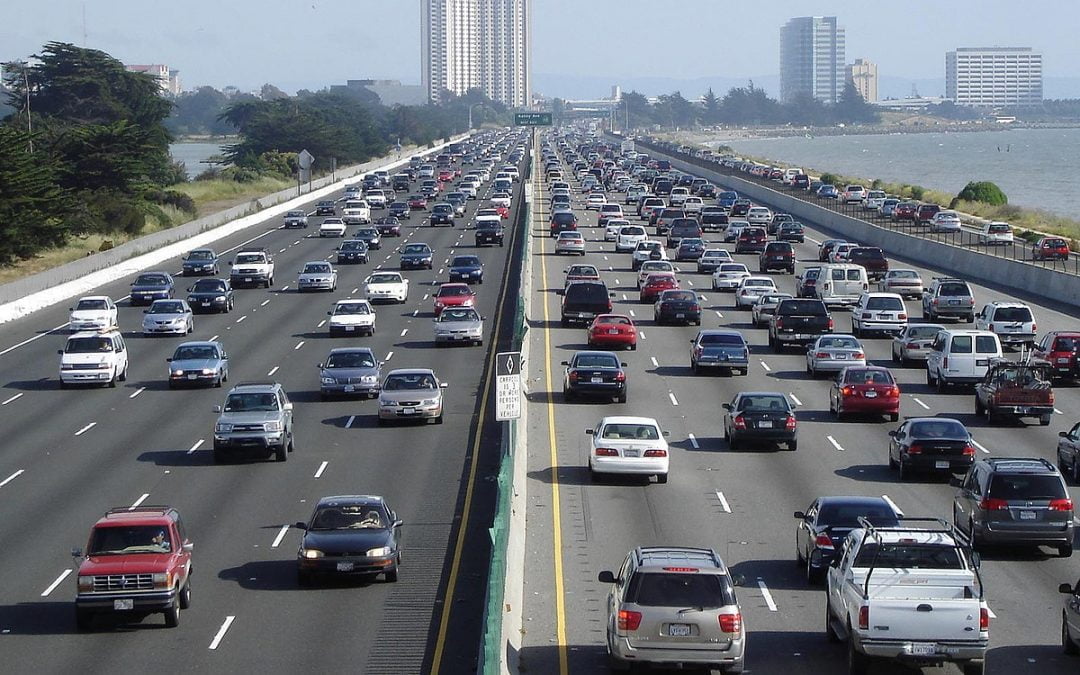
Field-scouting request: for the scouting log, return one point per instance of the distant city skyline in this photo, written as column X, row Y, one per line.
column 311, row 45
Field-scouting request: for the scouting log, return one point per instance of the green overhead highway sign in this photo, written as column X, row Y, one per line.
column 532, row 119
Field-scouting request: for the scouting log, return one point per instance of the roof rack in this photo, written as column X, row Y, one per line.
column 254, row 384
column 143, row 508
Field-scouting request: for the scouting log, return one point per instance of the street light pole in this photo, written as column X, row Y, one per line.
column 470, row 113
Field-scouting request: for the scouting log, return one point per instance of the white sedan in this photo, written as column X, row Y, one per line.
column 332, row 227
column 728, row 275
column 595, row 201
column 945, row 221
column 751, row 288
column 94, row 312
column 500, row 199
column 759, row 215
column 386, row 287
column 628, row 445
column 354, row 316
column 317, row 275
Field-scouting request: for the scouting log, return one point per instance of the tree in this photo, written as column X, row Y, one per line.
column 804, row 109
column 638, row 110
column 711, row 108
column 853, row 108
column 198, row 112
column 34, row 210
column 269, row 92
column 984, row 192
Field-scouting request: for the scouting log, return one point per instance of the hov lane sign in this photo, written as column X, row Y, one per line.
column 507, row 386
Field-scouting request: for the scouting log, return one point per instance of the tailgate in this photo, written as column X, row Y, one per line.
column 932, row 620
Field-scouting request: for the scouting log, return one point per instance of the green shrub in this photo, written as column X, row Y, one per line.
column 829, row 178
column 983, row 191
column 917, row 192
column 877, row 184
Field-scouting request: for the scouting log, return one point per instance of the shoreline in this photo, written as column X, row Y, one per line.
column 720, row 135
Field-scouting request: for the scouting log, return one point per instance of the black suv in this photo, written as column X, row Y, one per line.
column 584, row 300
column 489, row 232
column 1020, row 501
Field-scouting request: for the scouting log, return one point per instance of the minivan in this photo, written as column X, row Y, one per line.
column 584, row 300
column 960, row 357
column 841, row 284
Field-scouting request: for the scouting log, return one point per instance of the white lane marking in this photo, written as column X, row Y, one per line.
column 655, row 364
column 814, row 240
column 1058, row 412
column 767, row 595
column 723, row 501
column 389, row 354
column 298, row 345
column 241, row 319
column 605, row 257
column 703, row 298
column 990, row 612
column 404, row 331
column 424, row 298
column 272, row 371
column 221, row 632
column 264, row 303
column 795, row 398
column 893, row 505
column 674, row 401
column 138, row 502
column 321, row 324
column 348, row 424
column 440, row 271
column 282, row 250
column 690, row 281
column 835, row 444
column 88, row 427
column 719, row 314
column 285, row 287
column 13, row 398
column 137, row 392
column 693, row 441
column 356, row 289
column 195, row 447
column 322, row 467
column 641, row 334
column 53, row 585
column 916, row 399
column 12, row 477
column 213, row 337
column 980, row 446
column 415, row 312
column 36, row 337
column 765, row 366
column 632, row 313
column 296, row 242
column 280, row 535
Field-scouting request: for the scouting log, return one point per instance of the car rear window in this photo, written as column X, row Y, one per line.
column 1066, row 344
column 847, row 515
column 866, row 254
column 1012, row 314
column 953, row 289
column 775, row 402
column 722, row 339
column 679, row 296
column 665, row 589
column 950, row 429
column 1026, row 487
column 596, row 361
column 884, row 303
column 803, row 307
column 587, row 293
column 909, row 556
column 867, row 376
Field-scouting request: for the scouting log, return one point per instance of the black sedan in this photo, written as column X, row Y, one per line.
column 826, row 522
column 350, row 536
column 677, row 306
column 760, row 417
column 791, row 231
column 352, row 251
column 210, row 295
column 150, row 286
column 937, row 444
column 200, row 261
column 399, row 209
column 594, row 373
column 466, row 268
column 326, row 208
column 689, row 248
column 370, row 236
column 416, row 256
column 388, row 226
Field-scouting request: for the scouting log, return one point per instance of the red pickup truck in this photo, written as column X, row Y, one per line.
column 1014, row 390
column 1058, row 352
column 137, row 562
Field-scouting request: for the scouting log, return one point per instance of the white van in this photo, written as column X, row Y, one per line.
column 960, row 357
column 841, row 284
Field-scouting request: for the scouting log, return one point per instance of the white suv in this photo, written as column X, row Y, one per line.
column 1012, row 322
column 94, row 358
column 874, row 312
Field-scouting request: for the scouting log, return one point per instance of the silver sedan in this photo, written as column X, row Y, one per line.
column 833, row 352
column 913, row 343
column 765, row 306
column 459, row 324
column 570, row 242
column 168, row 317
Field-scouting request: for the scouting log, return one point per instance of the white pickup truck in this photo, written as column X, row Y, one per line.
column 911, row 593
column 253, row 266
column 356, row 212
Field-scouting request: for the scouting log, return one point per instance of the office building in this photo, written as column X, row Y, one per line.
column 812, row 59
column 863, row 75
column 480, row 44
column 993, row 76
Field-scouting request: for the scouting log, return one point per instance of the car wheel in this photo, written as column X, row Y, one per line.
column 980, row 409
column 974, row 667
column 172, row 616
column 929, row 378
column 185, row 594
column 1067, row 644
column 892, row 462
column 392, row 575
column 857, row 661
column 1076, row 470
column 894, row 417
column 940, row 385
column 793, row 445
column 1044, row 420
column 439, row 419
column 661, row 478
column 905, row 473
column 830, row 634
column 281, row 453
column 1065, row 550
column 113, row 379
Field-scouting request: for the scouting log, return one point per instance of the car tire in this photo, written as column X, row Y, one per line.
column 892, row 462
column 905, row 473
column 1065, row 550
column 1067, row 644
column 217, row 382
column 392, row 575
column 439, row 419
column 858, row 663
column 172, row 616
column 1076, row 470
column 113, row 380
column 661, row 478
column 185, row 594
column 281, row 453
column 980, row 409
column 894, row 417
column 1044, row 420
column 940, row 387
column 830, row 634
column 973, row 667
column 792, row 446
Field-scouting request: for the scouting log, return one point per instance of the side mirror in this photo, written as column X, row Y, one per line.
column 800, row 515
column 188, row 547
column 300, row 525
column 738, row 580
column 168, row 360
column 78, row 553
column 217, row 409
column 667, row 433
column 624, row 365
column 564, row 363
column 608, row 577
column 590, row 432
column 955, row 481
column 443, row 385
column 60, row 351
column 976, row 560
column 288, row 406
column 835, row 562
column 726, row 406
column 1063, row 588
column 146, row 311
column 1063, row 434
column 72, row 309
column 398, row 523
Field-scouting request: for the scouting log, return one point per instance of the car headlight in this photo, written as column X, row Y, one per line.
column 162, row 579
column 272, row 426
column 177, row 373
column 220, row 298
column 328, row 380
column 86, row 583
column 192, row 299
column 380, row 552
column 430, row 401
column 67, row 366
column 207, row 371
column 368, row 379
column 223, row 428
column 311, row 553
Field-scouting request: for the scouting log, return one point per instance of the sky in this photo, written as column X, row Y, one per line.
column 311, row 44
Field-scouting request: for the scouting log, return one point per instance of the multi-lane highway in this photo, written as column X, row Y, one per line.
column 71, row 454
column 741, row 503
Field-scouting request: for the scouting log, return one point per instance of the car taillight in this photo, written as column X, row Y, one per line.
column 609, row 305
column 991, row 504
column 620, row 377
column 902, row 316
column 695, row 307
column 945, row 363
column 969, row 450
column 573, row 376
column 912, row 345
column 823, row 541
column 847, row 390
column 779, row 322
column 1061, row 505
column 629, row 620
column 739, row 422
column 984, row 619
column 830, row 322
column 789, row 423
column 821, row 355
column 1034, row 327
column 864, row 617
column 731, row 623
column 934, row 301
column 655, row 452
column 971, row 301
column 894, row 392
column 914, row 449
column 607, row 452
column 859, row 355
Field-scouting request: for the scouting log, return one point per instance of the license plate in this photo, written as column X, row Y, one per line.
column 941, row 464
column 613, row 331
column 349, row 328
column 122, row 604
column 840, row 357
column 192, row 376
column 801, row 336
column 679, row 630
column 349, row 389
column 954, row 302
column 597, row 380
column 922, row 649
column 247, row 280
column 206, row 303
column 871, row 394
column 765, row 424
column 345, row 567
column 409, row 411
column 680, row 316
column 631, row 453
column 1027, row 515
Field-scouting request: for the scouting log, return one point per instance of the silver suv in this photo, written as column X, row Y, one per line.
column 672, row 607
column 256, row 416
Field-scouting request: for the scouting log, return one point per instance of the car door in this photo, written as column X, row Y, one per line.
column 963, row 502
column 896, row 441
column 806, row 532
column 1072, row 611
column 1069, row 448
column 286, row 410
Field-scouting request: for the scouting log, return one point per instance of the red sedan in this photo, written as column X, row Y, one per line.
column 865, row 390
column 612, row 330
column 453, row 295
column 502, row 210
column 446, row 175
column 1050, row 248
column 657, row 283
column 418, row 202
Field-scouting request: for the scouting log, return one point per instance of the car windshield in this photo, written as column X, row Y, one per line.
column 151, row 280
column 879, row 302
column 195, row 352
column 130, row 539
column 171, row 307
column 939, row 429
column 385, row 279
column 867, row 376
column 296, row 214
column 847, row 515
column 837, row 342
column 352, row 308
column 1012, row 314
column 726, row 339
column 353, row 246
column 763, row 402
column 416, row 248
column 358, row 359
column 459, row 314
column 629, row 431
column 200, row 255
column 85, row 305
column 350, row 517
column 465, row 261
column 409, row 381
column 251, row 402
column 316, row 268
column 909, row 556
column 1026, row 487
column 87, row 345
column 244, row 258
column 673, row 589
column 208, row 286
column 368, row 232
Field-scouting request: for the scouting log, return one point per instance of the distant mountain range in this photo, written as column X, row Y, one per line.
column 889, row 86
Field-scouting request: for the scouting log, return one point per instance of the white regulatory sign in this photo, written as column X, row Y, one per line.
column 507, row 386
